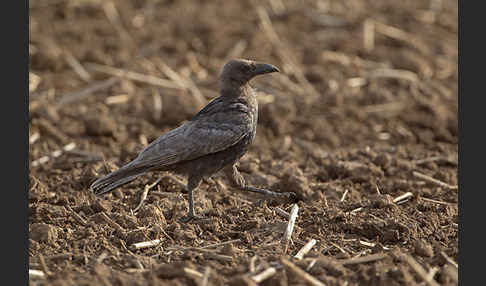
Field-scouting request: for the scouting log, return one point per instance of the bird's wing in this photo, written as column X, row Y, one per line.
column 211, row 133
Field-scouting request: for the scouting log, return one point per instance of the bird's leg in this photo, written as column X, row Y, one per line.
column 192, row 184
column 237, row 181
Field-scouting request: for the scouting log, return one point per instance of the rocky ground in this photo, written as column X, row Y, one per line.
column 361, row 124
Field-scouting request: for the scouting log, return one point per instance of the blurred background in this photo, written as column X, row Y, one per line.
column 369, row 81
column 354, row 72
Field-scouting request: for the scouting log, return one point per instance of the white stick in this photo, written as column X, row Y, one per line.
column 356, row 210
column 34, row 137
column 311, row 264
column 269, row 272
column 36, row 274
column 117, row 99
column 145, row 244
column 305, row 249
column 402, row 197
column 365, row 243
column 290, row 226
column 193, row 273
column 344, row 195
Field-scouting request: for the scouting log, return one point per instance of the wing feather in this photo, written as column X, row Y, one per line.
column 215, row 132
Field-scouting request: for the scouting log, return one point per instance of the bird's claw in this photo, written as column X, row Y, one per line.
column 291, row 196
column 191, row 217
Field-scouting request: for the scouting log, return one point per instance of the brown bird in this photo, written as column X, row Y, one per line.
column 213, row 140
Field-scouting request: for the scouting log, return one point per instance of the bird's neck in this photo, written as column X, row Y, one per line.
column 232, row 90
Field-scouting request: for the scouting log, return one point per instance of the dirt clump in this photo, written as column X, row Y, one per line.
column 41, row 232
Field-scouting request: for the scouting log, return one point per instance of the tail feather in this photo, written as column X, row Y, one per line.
column 117, row 178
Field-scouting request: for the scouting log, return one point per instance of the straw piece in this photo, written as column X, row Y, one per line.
column 76, row 216
column 446, row 257
column 402, row 197
column 285, row 54
column 290, row 226
column 205, row 279
column 344, row 195
column 301, row 273
column 282, row 213
column 145, row 192
column 117, row 99
column 34, row 137
column 54, row 154
column 149, row 79
column 433, row 181
column 111, row 222
column 76, row 65
column 418, row 269
column 193, row 273
column 237, row 50
column 264, row 275
column 145, row 244
column 393, row 73
column 369, row 35
column 78, row 95
column 33, row 274
column 363, row 259
column 305, row 249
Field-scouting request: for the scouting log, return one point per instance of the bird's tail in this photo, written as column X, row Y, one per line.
column 117, row 178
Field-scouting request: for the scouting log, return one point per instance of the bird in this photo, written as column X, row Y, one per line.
column 213, row 140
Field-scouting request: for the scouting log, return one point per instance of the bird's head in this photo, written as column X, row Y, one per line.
column 239, row 71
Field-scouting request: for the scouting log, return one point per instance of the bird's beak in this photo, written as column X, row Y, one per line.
column 262, row 68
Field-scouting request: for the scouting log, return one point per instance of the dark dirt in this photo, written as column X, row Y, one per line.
column 338, row 120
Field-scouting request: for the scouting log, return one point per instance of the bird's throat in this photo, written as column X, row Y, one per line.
column 233, row 90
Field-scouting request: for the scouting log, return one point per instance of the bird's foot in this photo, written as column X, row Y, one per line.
column 291, row 196
column 192, row 217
